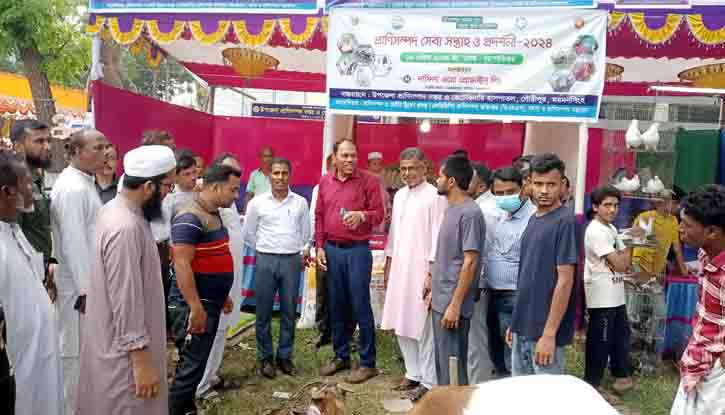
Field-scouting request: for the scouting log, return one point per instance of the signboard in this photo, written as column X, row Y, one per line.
column 299, row 112
column 456, row 4
column 201, row 6
column 497, row 64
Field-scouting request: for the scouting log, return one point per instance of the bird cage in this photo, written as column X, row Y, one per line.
column 647, row 315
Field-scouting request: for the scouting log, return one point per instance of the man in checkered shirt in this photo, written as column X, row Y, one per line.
column 702, row 368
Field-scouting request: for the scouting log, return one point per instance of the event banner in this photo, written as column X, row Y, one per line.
column 204, row 6
column 455, row 4
column 652, row 4
column 299, row 112
column 493, row 64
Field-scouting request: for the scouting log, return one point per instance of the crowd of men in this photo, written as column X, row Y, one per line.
column 97, row 273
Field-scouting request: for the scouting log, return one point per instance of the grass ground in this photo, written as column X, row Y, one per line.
column 652, row 395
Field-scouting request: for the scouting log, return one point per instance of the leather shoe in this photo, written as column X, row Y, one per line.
column 267, row 370
column 361, row 375
column 334, row 366
column 286, row 366
column 406, row 385
column 323, row 340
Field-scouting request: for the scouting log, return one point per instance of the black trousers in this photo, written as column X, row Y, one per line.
column 165, row 257
column 322, row 311
column 608, row 342
column 193, row 356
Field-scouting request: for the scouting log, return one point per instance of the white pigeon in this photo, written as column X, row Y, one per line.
column 633, row 138
column 646, row 225
column 651, row 137
column 628, row 185
column 654, row 186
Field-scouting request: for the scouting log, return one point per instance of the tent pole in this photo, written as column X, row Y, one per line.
column 581, row 170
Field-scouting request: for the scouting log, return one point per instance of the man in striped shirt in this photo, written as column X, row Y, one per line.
column 205, row 273
column 702, row 385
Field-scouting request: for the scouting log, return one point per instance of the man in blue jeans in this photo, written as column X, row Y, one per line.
column 503, row 255
column 543, row 319
column 205, row 273
column 349, row 206
column 277, row 226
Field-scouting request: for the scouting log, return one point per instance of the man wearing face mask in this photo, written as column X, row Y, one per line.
column 123, row 364
column 503, row 253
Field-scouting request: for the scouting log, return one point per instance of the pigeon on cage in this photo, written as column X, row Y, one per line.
column 628, row 185
column 633, row 137
column 651, row 137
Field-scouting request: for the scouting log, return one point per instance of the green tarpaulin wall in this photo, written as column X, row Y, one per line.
column 697, row 158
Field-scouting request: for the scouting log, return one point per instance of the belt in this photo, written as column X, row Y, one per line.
column 348, row 244
column 283, row 255
column 501, row 293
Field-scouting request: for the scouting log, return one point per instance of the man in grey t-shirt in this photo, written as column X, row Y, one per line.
column 456, row 269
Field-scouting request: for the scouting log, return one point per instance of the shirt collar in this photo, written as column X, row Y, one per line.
column 83, row 174
column 487, row 195
column 7, row 226
column 355, row 175
column 132, row 207
column 712, row 265
column 269, row 195
column 524, row 210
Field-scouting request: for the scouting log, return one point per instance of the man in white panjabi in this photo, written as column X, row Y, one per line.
column 31, row 325
column 233, row 222
column 417, row 214
column 74, row 203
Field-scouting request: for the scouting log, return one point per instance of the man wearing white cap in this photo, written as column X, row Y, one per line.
column 375, row 163
column 376, row 167
column 123, row 365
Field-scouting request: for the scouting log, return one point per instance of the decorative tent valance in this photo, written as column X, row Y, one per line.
column 308, row 32
column 658, row 29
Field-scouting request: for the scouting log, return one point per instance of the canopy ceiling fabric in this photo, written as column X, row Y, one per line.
column 650, row 45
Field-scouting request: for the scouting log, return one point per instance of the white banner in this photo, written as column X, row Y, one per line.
column 489, row 64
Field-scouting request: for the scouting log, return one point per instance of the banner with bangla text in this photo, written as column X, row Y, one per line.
column 201, row 6
column 486, row 64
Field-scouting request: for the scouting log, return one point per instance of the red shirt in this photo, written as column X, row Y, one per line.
column 708, row 335
column 360, row 192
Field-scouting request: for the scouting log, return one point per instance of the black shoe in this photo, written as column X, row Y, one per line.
column 286, row 366
column 323, row 340
column 267, row 370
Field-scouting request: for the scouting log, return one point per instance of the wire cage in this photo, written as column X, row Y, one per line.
column 647, row 313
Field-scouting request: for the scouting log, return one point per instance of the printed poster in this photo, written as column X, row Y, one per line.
column 508, row 64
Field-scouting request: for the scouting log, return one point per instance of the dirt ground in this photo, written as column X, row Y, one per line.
column 252, row 394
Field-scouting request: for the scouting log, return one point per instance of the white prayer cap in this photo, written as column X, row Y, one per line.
column 375, row 155
column 149, row 161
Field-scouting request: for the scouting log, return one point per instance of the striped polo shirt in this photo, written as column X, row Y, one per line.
column 212, row 264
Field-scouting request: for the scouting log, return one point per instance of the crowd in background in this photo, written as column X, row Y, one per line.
column 100, row 271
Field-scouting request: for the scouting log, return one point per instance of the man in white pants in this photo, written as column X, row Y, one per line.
column 416, row 217
column 74, row 203
column 233, row 222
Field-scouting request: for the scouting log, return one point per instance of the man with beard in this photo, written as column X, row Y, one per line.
column 454, row 275
column 123, row 365
column 74, row 203
column 31, row 139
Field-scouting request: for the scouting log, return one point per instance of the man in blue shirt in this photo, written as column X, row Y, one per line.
column 503, row 255
column 543, row 319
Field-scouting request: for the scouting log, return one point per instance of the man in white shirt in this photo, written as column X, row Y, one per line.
column 606, row 258
column 277, row 226
column 32, row 332
column 74, row 203
column 480, row 367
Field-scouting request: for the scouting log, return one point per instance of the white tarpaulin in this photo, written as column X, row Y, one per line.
column 488, row 64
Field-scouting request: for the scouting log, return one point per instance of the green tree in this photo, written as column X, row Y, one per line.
column 45, row 39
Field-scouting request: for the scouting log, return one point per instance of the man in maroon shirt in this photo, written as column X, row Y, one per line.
column 349, row 206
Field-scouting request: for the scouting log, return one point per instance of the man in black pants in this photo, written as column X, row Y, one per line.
column 204, row 273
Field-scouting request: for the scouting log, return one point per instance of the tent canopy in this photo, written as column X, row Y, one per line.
column 651, row 46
